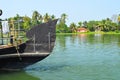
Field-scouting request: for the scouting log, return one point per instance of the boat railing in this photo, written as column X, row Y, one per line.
column 16, row 32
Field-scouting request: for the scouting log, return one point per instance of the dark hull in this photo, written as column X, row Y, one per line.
column 40, row 44
column 12, row 49
column 15, row 61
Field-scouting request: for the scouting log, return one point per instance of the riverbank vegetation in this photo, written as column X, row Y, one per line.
column 108, row 25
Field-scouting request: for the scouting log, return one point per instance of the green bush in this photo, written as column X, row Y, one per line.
column 117, row 31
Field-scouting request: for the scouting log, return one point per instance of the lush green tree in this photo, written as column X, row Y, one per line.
column 17, row 17
column 53, row 17
column 79, row 24
column 85, row 23
column 102, row 25
column 73, row 27
column 40, row 19
column 105, row 24
column 61, row 26
column 113, row 26
column 15, row 20
column 119, row 18
column 92, row 25
column 118, row 27
column 63, row 18
column 27, row 22
column 46, row 17
column 36, row 17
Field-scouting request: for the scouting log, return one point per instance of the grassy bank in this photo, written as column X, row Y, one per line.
column 111, row 32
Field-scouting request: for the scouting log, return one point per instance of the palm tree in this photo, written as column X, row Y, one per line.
column 93, row 25
column 105, row 24
column 101, row 25
column 79, row 24
column 73, row 27
column 46, row 17
column 85, row 23
column 53, row 17
column 40, row 18
column 118, row 22
column 27, row 22
column 35, row 17
column 119, row 18
column 63, row 18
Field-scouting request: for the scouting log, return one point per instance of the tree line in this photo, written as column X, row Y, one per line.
column 26, row 22
column 104, row 25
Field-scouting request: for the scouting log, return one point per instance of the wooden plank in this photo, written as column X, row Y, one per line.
column 23, row 55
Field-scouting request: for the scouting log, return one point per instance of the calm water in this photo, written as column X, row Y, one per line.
column 76, row 57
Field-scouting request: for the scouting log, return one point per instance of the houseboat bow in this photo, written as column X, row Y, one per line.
column 39, row 44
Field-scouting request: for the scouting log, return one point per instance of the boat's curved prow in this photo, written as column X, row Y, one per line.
column 40, row 44
column 41, row 37
column 15, row 61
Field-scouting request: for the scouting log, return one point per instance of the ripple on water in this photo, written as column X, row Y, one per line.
column 81, row 58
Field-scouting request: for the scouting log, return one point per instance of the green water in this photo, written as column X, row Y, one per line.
column 77, row 57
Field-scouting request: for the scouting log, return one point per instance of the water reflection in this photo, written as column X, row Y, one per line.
column 88, row 42
column 77, row 57
column 82, row 38
column 62, row 41
column 88, row 38
column 18, row 75
column 81, row 57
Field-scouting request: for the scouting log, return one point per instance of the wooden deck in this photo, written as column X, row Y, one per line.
column 5, row 46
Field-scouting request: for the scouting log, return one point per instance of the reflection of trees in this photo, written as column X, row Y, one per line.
column 106, row 39
column 61, row 40
column 16, row 75
column 82, row 38
column 73, row 38
column 64, row 41
column 90, row 39
column 118, row 43
column 99, row 38
column 112, row 39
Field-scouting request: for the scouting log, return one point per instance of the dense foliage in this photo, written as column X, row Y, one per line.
column 105, row 25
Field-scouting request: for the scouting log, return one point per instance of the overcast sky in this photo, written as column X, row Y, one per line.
column 77, row 10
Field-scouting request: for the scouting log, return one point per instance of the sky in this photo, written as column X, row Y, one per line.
column 77, row 10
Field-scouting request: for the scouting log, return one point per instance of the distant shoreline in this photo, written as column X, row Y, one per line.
column 89, row 33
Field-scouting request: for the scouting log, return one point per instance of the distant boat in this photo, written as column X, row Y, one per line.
column 40, row 43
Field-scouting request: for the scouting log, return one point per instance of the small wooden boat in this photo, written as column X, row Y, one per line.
column 40, row 43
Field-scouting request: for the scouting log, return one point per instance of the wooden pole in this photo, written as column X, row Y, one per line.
column 0, row 12
column 2, row 34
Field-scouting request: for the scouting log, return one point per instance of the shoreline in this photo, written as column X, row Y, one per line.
column 88, row 33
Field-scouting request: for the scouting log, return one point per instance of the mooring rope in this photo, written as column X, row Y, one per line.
column 18, row 52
